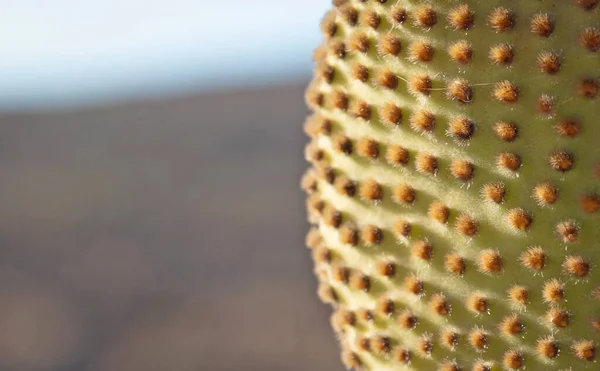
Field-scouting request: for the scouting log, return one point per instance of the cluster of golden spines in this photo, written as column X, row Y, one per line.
column 370, row 190
column 476, row 338
column 544, row 193
column 462, row 130
column 488, row 262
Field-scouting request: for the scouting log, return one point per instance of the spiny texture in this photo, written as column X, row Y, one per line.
column 455, row 183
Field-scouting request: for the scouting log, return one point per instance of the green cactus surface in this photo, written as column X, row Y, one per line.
column 454, row 187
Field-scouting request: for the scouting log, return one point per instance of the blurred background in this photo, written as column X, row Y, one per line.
column 150, row 213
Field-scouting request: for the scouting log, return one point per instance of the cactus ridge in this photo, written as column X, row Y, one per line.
column 454, row 187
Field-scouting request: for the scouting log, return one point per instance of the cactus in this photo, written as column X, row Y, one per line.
column 454, row 183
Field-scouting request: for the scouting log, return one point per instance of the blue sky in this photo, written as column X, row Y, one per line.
column 65, row 52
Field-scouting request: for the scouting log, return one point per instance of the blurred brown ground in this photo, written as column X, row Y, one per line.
column 163, row 235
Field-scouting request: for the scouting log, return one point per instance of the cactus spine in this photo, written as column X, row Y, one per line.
column 454, row 183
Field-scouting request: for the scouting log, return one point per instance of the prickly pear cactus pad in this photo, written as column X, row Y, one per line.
column 455, row 179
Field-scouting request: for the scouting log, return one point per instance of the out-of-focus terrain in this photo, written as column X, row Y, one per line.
column 156, row 236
